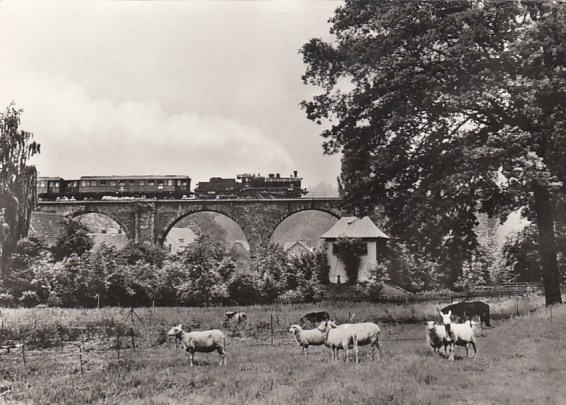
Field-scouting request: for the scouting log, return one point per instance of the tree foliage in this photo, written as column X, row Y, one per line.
column 75, row 240
column 17, row 182
column 349, row 251
column 444, row 109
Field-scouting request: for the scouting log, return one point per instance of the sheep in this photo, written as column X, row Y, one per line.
column 205, row 341
column 461, row 334
column 314, row 318
column 358, row 334
column 238, row 318
column 306, row 338
column 336, row 339
column 467, row 310
column 436, row 336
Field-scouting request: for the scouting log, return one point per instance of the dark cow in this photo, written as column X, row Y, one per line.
column 237, row 318
column 314, row 318
column 467, row 310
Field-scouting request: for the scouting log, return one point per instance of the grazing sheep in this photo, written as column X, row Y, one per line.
column 238, row 318
column 467, row 310
column 461, row 334
column 436, row 336
column 358, row 334
column 314, row 318
column 205, row 341
column 306, row 338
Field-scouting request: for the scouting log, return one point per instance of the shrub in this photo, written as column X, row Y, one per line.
column 54, row 300
column 29, row 299
column 7, row 300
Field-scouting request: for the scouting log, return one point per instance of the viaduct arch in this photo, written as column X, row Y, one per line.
column 150, row 220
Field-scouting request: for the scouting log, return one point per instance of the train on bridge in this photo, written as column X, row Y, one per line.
column 169, row 187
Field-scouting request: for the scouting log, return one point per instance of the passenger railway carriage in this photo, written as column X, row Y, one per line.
column 99, row 187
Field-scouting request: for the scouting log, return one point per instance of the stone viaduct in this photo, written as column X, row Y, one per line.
column 150, row 220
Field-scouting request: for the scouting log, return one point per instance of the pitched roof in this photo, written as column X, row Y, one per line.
column 353, row 227
column 47, row 225
column 289, row 245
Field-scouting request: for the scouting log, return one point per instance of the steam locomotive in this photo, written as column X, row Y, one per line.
column 251, row 186
column 169, row 187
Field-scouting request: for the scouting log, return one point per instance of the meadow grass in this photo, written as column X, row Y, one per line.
column 520, row 360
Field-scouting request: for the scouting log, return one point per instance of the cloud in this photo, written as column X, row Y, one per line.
column 82, row 135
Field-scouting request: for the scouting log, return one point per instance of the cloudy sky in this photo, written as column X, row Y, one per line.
column 198, row 88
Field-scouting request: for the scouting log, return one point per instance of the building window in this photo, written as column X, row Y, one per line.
column 142, row 183
column 169, row 182
column 122, row 183
column 151, row 183
column 42, row 184
column 132, row 182
column 112, row 183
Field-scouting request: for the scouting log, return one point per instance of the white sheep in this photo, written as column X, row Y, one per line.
column 365, row 333
column 436, row 336
column 336, row 339
column 357, row 334
column 205, row 341
column 461, row 334
column 308, row 337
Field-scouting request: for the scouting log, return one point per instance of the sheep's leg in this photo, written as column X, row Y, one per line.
column 475, row 349
column 346, row 351
column 222, row 354
column 191, row 358
column 356, row 349
column 451, row 349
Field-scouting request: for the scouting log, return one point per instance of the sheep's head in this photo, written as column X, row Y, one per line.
column 446, row 317
column 326, row 326
column 430, row 325
column 175, row 331
column 295, row 328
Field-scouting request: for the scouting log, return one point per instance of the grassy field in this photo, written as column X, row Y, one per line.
column 521, row 359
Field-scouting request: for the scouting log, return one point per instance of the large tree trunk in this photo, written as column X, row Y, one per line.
column 547, row 245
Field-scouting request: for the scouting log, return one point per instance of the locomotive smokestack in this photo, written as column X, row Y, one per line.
column 278, row 175
column 294, row 173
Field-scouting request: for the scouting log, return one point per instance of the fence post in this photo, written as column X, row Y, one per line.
column 24, row 352
column 550, row 307
column 517, row 306
column 118, row 346
column 81, row 359
column 271, row 328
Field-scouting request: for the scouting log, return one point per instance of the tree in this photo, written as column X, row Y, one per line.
column 74, row 240
column 444, row 109
column 17, row 182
